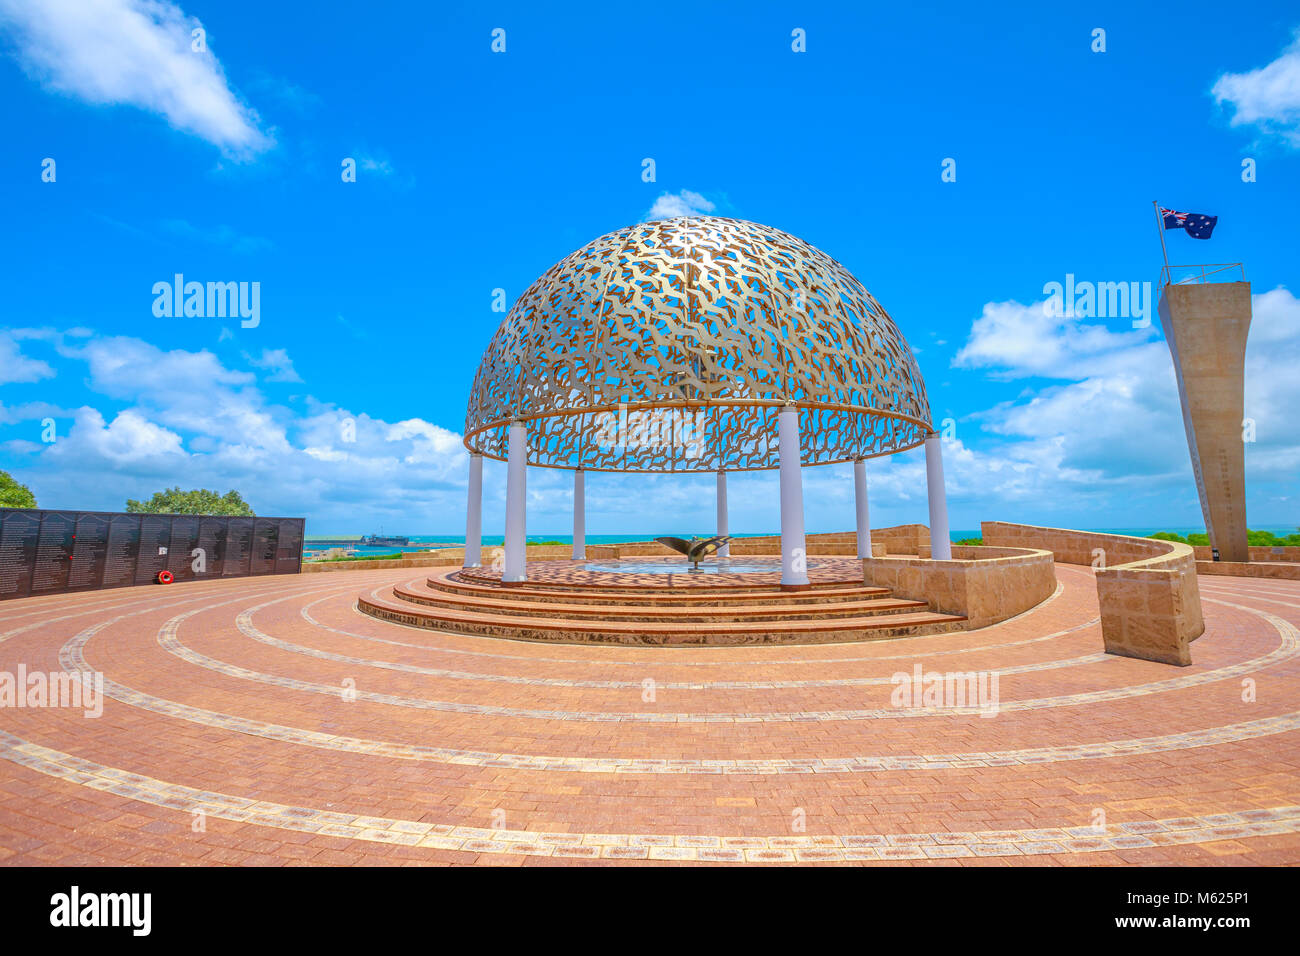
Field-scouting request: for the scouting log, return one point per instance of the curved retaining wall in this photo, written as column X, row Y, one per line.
column 1146, row 588
column 1256, row 553
column 1279, row 571
column 984, row 584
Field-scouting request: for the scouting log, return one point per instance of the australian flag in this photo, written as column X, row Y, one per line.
column 1197, row 225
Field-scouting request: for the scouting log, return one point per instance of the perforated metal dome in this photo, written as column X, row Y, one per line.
column 670, row 346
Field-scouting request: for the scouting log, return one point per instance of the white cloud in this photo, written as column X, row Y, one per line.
column 1101, row 445
column 218, row 236
column 194, row 421
column 1267, row 97
column 277, row 362
column 432, row 442
column 1112, row 432
column 186, row 391
column 17, row 367
column 1273, row 388
column 127, row 442
column 381, row 166
column 1018, row 340
column 30, row 411
column 138, row 53
column 684, row 203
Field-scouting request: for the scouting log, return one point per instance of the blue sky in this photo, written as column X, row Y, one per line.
column 477, row 170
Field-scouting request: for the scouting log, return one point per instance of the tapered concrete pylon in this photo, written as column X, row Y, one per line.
column 1206, row 326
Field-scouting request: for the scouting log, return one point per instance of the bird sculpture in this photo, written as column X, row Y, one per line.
column 696, row 549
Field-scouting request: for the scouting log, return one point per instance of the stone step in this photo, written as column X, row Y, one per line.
column 433, row 597
column 662, row 583
column 695, row 596
column 656, row 633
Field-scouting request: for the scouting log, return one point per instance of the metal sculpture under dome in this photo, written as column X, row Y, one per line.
column 671, row 346
column 697, row 548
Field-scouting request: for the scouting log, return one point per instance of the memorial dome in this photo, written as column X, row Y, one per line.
column 670, row 346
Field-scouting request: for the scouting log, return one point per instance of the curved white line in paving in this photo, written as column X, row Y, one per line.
column 1269, row 597
column 808, row 848
column 1250, row 584
column 246, row 627
column 161, row 606
column 72, row 658
column 1172, row 831
column 168, row 639
column 102, row 603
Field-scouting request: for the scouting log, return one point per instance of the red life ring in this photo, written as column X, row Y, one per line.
column 165, row 577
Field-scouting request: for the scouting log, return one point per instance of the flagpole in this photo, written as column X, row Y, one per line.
column 1160, row 225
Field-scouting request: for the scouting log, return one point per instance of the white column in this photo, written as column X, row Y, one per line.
column 725, row 550
column 579, row 515
column 516, row 566
column 860, row 500
column 474, row 514
column 940, row 542
column 794, row 561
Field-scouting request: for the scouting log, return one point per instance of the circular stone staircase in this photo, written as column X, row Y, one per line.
column 569, row 605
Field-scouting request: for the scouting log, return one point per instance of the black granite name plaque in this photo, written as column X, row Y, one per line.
column 123, row 548
column 266, row 537
column 89, row 552
column 50, row 552
column 239, row 547
column 19, row 531
column 155, row 545
column 182, row 558
column 54, row 552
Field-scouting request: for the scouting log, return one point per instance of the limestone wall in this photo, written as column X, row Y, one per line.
column 641, row 549
column 447, row 557
column 1203, row 553
column 986, row 584
column 900, row 539
column 1282, row 571
column 1147, row 591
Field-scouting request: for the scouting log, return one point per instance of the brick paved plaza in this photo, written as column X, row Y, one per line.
column 266, row 721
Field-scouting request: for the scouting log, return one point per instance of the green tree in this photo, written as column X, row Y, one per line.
column 13, row 494
column 1256, row 539
column 200, row 501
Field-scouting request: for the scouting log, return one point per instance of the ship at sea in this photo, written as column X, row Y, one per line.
column 384, row 541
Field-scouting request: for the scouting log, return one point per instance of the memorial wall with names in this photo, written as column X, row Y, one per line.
column 53, row 552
